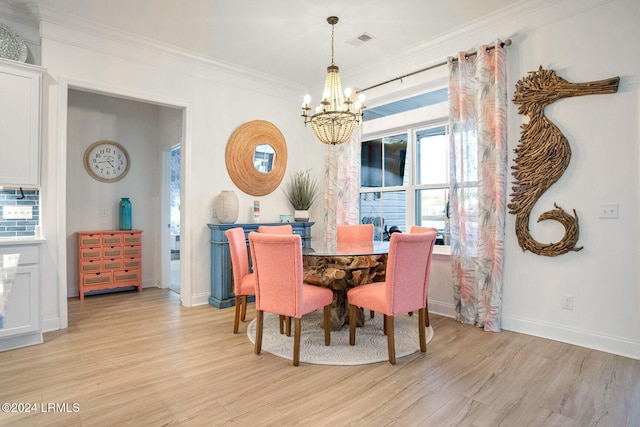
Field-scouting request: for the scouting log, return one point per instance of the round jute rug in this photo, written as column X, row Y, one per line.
column 371, row 342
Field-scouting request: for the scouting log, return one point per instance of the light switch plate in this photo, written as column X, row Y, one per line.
column 608, row 210
column 17, row 212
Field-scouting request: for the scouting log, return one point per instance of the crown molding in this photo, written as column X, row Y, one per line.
column 65, row 28
column 22, row 21
column 518, row 18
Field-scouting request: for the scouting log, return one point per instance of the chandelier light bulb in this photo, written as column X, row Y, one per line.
column 347, row 92
column 307, row 99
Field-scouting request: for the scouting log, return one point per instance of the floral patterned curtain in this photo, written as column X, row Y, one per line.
column 342, row 184
column 478, row 165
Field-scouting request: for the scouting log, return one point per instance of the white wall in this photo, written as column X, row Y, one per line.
column 215, row 98
column 582, row 41
column 603, row 132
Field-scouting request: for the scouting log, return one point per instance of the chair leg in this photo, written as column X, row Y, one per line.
column 236, row 321
column 384, row 323
column 352, row 324
column 390, row 339
column 327, row 324
column 421, row 332
column 259, row 320
column 285, row 320
column 426, row 313
column 296, row 341
column 244, row 308
column 371, row 314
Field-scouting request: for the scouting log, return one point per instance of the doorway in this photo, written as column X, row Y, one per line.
column 174, row 218
column 149, row 132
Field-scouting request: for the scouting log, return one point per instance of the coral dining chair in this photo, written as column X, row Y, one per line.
column 404, row 289
column 354, row 233
column 349, row 233
column 419, row 229
column 277, row 264
column 276, row 229
column 279, row 229
column 244, row 283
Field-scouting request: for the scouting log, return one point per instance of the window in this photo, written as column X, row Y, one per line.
column 405, row 171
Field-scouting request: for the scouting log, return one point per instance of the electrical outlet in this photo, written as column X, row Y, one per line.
column 567, row 302
column 608, row 210
column 17, row 212
column 104, row 213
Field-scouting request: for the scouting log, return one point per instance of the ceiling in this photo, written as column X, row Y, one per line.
column 290, row 39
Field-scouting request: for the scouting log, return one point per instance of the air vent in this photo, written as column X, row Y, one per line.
column 360, row 40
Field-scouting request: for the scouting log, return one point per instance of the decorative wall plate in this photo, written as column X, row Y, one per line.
column 11, row 45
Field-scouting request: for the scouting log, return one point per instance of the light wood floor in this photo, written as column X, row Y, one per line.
column 141, row 359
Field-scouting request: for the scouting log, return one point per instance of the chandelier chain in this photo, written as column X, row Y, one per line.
column 333, row 26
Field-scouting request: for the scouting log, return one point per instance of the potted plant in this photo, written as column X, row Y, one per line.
column 302, row 191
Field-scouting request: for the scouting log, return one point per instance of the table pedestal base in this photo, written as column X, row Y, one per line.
column 341, row 273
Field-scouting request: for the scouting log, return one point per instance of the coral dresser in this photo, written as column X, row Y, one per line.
column 109, row 259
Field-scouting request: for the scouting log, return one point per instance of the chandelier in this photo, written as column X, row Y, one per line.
column 339, row 112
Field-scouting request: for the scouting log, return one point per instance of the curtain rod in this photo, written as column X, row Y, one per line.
column 507, row 42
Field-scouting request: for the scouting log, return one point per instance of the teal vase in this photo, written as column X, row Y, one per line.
column 125, row 214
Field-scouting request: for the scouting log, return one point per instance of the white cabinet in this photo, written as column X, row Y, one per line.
column 20, row 115
column 22, row 312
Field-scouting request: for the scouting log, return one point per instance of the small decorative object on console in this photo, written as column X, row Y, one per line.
column 302, row 191
column 227, row 207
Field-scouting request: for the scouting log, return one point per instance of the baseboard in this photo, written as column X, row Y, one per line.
column 22, row 340
column 200, row 299
column 442, row 308
column 608, row 344
column 50, row 324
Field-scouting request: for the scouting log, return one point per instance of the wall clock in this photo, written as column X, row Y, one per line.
column 106, row 161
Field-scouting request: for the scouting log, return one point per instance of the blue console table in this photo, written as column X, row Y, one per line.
column 222, row 295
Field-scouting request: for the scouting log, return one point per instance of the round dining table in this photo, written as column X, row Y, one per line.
column 342, row 266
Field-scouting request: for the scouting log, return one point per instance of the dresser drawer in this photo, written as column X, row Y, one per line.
column 90, row 253
column 112, row 239
column 130, row 251
column 129, row 263
column 91, row 266
column 127, row 277
column 90, row 240
column 134, row 238
column 101, row 278
column 112, row 252
column 113, row 264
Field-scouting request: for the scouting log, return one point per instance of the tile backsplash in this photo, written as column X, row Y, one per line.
column 19, row 227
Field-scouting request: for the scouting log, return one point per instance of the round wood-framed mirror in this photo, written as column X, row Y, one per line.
column 240, row 157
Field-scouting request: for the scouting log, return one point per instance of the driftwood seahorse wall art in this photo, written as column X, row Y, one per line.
column 543, row 155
